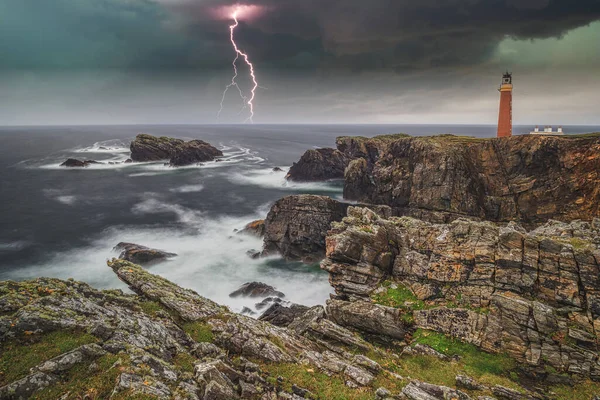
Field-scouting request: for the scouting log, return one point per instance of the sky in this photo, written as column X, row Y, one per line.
column 316, row 61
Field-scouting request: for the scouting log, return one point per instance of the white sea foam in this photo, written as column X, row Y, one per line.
column 69, row 200
column 268, row 178
column 211, row 259
column 187, row 189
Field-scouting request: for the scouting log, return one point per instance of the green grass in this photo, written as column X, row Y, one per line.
column 81, row 383
column 151, row 307
column 184, row 362
column 321, row 385
column 199, row 331
column 401, row 297
column 476, row 361
column 18, row 356
column 585, row 390
column 582, row 135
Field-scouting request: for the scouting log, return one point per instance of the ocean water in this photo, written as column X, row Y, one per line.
column 63, row 223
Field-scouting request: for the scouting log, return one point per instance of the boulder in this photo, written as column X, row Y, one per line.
column 296, row 226
column 141, row 255
column 74, row 163
column 256, row 289
column 319, row 165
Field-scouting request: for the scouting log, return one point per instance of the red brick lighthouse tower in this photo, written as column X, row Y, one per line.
column 505, row 117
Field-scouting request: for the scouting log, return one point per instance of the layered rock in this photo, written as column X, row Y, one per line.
column 141, row 255
column 180, row 153
column 319, row 165
column 527, row 178
column 296, row 226
column 533, row 295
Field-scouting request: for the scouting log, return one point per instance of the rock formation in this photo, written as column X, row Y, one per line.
column 141, row 255
column 180, row 153
column 296, row 226
column 532, row 295
column 526, row 178
column 319, row 165
column 256, row 289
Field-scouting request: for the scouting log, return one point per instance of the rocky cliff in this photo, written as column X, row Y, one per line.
column 532, row 295
column 525, row 178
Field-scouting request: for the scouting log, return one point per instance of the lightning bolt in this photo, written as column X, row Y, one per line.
column 248, row 101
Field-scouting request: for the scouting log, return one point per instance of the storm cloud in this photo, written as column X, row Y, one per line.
column 355, row 35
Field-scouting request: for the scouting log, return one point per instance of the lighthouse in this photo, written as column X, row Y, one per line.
column 505, row 115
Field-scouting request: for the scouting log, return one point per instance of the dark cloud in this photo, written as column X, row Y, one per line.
column 357, row 35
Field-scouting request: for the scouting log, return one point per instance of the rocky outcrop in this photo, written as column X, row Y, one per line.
column 533, row 295
column 180, row 153
column 74, row 163
column 319, row 165
column 526, row 178
column 141, row 255
column 256, row 289
column 296, row 226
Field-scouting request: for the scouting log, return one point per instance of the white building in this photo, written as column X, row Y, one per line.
column 548, row 130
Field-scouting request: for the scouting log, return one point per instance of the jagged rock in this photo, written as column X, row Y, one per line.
column 302, row 392
column 141, row 255
column 367, row 317
column 255, row 228
column 247, row 311
column 135, row 384
column 256, row 289
column 280, row 315
column 296, row 226
column 67, row 360
column 416, row 390
column 535, row 296
column 382, row 393
column 313, row 323
column 319, row 165
column 74, row 163
column 180, row 153
column 277, row 169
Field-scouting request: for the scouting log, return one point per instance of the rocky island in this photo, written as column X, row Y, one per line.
column 469, row 269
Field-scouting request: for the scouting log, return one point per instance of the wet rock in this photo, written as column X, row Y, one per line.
column 142, row 255
column 247, row 311
column 180, row 153
column 267, row 302
column 319, row 165
column 256, row 289
column 277, row 169
column 280, row 315
column 194, row 152
column 253, row 254
column 296, row 226
column 74, row 163
column 255, row 228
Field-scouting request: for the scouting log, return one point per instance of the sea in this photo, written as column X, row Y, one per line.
column 64, row 222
